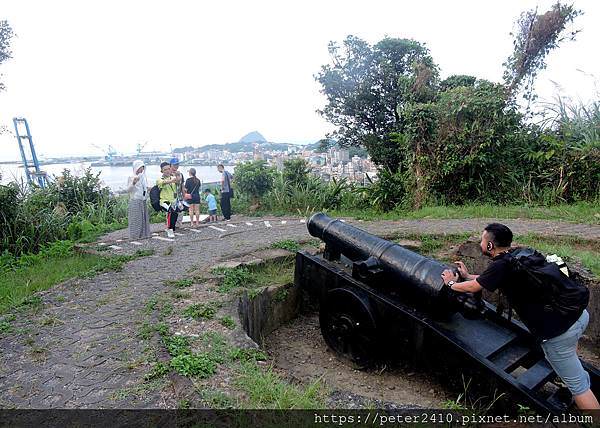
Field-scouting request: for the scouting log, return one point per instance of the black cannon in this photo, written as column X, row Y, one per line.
column 376, row 298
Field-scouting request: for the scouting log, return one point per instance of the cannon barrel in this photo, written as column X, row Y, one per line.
column 368, row 251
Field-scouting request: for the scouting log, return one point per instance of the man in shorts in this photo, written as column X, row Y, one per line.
column 557, row 333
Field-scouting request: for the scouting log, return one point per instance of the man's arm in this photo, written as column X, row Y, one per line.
column 471, row 286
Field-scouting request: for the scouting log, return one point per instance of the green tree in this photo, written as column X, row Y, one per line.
column 6, row 34
column 254, row 179
column 365, row 92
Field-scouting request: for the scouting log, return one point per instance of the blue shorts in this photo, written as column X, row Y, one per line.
column 561, row 353
column 212, row 212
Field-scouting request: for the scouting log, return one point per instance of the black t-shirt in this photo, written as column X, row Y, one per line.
column 535, row 314
column 192, row 185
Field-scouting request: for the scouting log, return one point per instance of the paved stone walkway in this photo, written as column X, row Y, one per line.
column 82, row 349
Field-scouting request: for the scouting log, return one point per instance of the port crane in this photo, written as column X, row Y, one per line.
column 28, row 155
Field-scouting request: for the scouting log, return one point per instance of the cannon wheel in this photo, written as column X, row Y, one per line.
column 348, row 325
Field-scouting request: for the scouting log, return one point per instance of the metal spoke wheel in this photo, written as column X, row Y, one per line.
column 348, row 324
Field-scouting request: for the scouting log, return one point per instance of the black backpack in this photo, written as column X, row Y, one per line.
column 155, row 198
column 559, row 292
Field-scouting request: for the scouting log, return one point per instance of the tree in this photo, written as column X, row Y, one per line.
column 6, row 34
column 366, row 88
column 536, row 36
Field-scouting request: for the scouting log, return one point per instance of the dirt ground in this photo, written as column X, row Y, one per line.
column 298, row 349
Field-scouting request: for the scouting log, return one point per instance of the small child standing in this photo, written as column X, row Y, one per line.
column 212, row 205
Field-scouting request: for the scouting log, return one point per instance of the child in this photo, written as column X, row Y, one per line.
column 192, row 196
column 212, row 205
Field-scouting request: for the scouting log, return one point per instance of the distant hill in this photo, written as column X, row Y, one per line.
column 245, row 144
column 253, row 137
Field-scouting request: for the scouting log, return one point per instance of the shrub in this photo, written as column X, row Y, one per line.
column 254, row 178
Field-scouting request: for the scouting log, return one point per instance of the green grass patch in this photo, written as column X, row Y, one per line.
column 264, row 389
column 227, row 322
column 287, row 244
column 41, row 273
column 194, row 365
column 583, row 212
column 158, row 370
column 217, row 399
column 177, row 345
column 202, row 310
column 257, row 276
column 179, row 283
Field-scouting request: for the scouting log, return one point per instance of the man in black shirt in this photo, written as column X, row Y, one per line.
column 559, row 335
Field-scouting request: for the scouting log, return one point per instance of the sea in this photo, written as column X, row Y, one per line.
column 115, row 177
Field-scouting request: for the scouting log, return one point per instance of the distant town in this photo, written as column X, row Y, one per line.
column 327, row 163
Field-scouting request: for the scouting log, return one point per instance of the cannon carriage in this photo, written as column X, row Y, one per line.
column 378, row 299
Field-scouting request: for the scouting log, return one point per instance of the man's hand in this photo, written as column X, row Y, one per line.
column 462, row 270
column 448, row 275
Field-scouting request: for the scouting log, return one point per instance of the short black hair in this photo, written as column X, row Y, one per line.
column 221, row 166
column 500, row 234
column 163, row 164
column 206, row 190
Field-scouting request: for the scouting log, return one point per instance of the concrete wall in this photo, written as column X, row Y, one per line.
column 470, row 254
column 265, row 312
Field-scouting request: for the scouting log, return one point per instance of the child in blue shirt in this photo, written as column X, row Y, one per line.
column 212, row 205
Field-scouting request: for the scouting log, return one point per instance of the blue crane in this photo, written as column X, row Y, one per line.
column 36, row 174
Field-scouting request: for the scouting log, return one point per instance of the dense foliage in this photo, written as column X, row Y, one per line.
column 253, row 179
column 71, row 207
column 462, row 139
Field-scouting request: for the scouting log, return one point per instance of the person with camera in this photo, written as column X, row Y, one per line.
column 558, row 332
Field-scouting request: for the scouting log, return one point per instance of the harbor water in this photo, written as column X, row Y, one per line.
column 115, row 177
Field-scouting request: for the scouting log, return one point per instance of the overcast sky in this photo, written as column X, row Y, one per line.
column 196, row 73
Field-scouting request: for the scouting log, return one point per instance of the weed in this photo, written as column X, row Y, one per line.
column 31, row 303
column 217, row 346
column 6, row 327
column 177, row 345
column 60, row 299
column 151, row 304
column 253, row 292
column 181, row 294
column 247, row 354
column 161, row 328
column 194, row 365
column 234, row 278
column 168, row 251
column 139, row 391
column 228, row 322
column 217, row 400
column 287, row 244
column 183, row 404
column 281, row 294
column 51, row 321
column 166, row 310
column 159, row 369
column 202, row 310
column 146, row 331
column 264, row 389
column 180, row 283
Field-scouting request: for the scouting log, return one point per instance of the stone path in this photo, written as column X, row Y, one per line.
column 82, row 348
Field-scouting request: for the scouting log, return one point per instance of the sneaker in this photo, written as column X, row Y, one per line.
column 170, row 233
